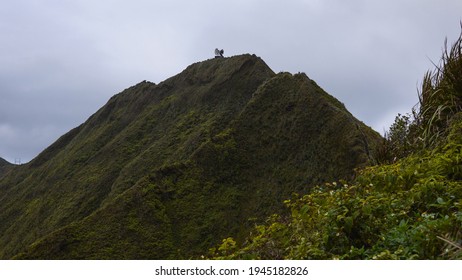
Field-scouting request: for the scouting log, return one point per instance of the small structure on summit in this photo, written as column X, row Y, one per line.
column 219, row 53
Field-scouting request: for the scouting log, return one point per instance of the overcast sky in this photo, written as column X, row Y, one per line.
column 61, row 60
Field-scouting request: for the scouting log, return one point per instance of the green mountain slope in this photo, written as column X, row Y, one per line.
column 167, row 170
column 407, row 207
column 411, row 209
column 4, row 166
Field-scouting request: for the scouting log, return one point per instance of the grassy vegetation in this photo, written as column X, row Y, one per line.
column 440, row 98
column 168, row 170
column 398, row 211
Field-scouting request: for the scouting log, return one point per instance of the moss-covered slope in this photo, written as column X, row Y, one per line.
column 4, row 166
column 167, row 170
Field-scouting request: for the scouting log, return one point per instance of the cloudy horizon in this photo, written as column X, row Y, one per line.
column 61, row 60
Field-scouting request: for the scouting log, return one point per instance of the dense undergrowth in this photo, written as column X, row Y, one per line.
column 408, row 207
column 403, row 210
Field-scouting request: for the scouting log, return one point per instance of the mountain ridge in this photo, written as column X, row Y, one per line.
column 4, row 166
column 180, row 164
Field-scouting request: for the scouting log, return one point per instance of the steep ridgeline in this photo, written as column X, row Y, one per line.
column 4, row 166
column 169, row 170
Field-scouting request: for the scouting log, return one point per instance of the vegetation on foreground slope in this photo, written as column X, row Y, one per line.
column 409, row 207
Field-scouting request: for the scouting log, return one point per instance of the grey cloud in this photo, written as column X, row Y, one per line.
column 60, row 60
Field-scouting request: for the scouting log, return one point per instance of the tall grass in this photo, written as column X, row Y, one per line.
column 440, row 97
column 453, row 246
